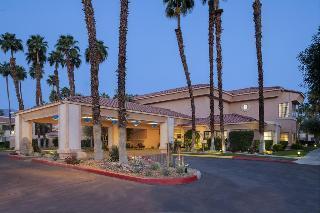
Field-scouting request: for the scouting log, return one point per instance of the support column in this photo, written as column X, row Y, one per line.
column 70, row 131
column 276, row 138
column 166, row 133
column 23, row 135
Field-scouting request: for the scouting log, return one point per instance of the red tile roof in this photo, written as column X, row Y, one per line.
column 113, row 103
column 5, row 120
column 228, row 119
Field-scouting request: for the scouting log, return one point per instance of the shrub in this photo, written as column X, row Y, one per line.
column 240, row 140
column 86, row 143
column 284, row 144
column 277, row 147
column 165, row 171
column 71, row 160
column 217, row 143
column 296, row 146
column 114, row 154
column 5, row 145
column 268, row 144
column 55, row 156
column 155, row 166
column 180, row 169
column 176, row 146
column 148, row 173
column 188, row 138
column 35, row 145
column 55, row 142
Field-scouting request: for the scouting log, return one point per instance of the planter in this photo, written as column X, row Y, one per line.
column 146, row 180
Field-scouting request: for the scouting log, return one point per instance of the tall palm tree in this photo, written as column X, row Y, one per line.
column 36, row 55
column 56, row 59
column 9, row 42
column 68, row 46
column 102, row 52
column 174, row 9
column 218, row 31
column 211, row 42
column 5, row 72
column 258, row 34
column 122, row 58
column 21, row 75
column 94, row 59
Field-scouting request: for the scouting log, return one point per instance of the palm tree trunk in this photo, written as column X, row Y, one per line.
column 9, row 103
column 90, row 21
column 15, row 81
column 211, row 95
column 70, row 69
column 188, row 79
column 56, row 75
column 258, row 34
column 122, row 57
column 20, row 89
column 219, row 70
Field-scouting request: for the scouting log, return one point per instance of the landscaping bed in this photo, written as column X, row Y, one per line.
column 139, row 169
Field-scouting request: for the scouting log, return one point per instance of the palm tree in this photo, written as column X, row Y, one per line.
column 51, row 81
column 102, row 52
column 211, row 41
column 9, row 42
column 122, row 58
column 36, row 55
column 68, row 46
column 5, row 72
column 65, row 92
column 95, row 59
column 21, row 75
column 258, row 34
column 56, row 59
column 174, row 9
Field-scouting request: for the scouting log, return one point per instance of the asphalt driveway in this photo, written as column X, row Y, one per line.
column 226, row 186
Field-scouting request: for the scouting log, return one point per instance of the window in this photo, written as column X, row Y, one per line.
column 284, row 137
column 283, row 110
column 267, row 136
column 245, row 107
column 206, row 135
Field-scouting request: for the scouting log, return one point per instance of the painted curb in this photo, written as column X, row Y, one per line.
column 262, row 159
column 155, row 181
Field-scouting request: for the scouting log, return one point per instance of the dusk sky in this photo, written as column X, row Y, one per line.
column 153, row 58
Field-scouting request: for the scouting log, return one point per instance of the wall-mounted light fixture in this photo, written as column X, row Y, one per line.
column 136, row 123
column 153, row 124
column 87, row 119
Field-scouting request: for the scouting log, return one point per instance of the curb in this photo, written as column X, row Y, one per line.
column 155, row 181
column 262, row 159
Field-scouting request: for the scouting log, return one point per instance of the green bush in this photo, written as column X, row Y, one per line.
column 165, row 171
column 268, row 144
column 176, row 146
column 240, row 140
column 296, row 146
column 188, row 139
column 5, row 145
column 155, row 166
column 180, row 169
column 148, row 173
column 35, row 146
column 55, row 142
column 284, row 144
column 277, row 147
column 86, row 143
column 114, row 154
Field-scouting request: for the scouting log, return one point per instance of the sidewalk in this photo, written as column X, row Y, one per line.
column 312, row 158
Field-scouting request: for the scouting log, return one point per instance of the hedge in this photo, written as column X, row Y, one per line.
column 240, row 140
column 5, row 145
